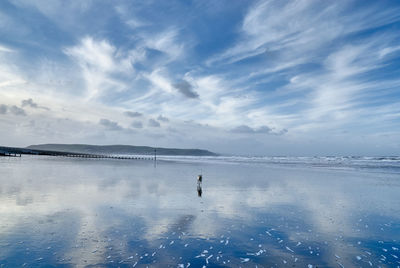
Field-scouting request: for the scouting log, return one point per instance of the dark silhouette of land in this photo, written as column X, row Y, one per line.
column 17, row 152
column 119, row 149
column 100, row 151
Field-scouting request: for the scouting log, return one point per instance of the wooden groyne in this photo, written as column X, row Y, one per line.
column 9, row 154
column 17, row 152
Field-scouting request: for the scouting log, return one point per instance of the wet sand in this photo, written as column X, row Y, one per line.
column 60, row 212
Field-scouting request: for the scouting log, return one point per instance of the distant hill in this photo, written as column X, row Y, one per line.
column 119, row 149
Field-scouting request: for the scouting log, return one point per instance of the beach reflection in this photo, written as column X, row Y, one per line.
column 110, row 213
column 199, row 191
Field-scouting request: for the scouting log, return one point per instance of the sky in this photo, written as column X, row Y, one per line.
column 235, row 77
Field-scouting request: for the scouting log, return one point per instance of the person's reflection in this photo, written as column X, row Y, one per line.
column 199, row 190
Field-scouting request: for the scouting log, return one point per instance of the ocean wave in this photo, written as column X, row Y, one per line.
column 387, row 163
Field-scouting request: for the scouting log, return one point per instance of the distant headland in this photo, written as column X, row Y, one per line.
column 120, row 149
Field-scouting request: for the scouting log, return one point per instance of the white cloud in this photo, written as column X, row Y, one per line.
column 291, row 34
column 293, row 28
column 96, row 54
column 4, row 49
column 167, row 42
column 160, row 80
column 99, row 60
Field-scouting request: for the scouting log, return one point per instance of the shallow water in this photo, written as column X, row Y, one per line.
column 60, row 212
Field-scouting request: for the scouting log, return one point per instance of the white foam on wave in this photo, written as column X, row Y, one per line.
column 338, row 162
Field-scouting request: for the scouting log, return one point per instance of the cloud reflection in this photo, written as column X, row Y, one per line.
column 105, row 212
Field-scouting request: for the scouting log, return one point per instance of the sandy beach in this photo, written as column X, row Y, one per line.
column 121, row 213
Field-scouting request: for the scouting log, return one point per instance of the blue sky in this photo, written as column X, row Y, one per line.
column 241, row 77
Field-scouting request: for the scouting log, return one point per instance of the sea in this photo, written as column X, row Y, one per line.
column 246, row 212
